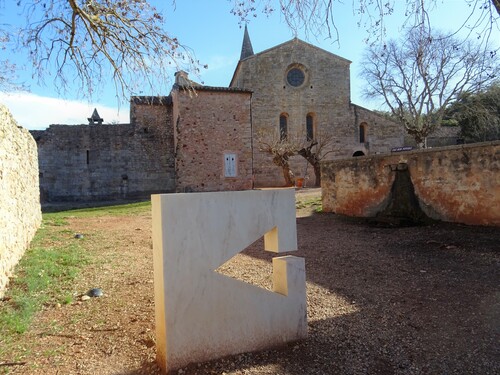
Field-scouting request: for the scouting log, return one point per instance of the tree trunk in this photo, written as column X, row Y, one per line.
column 312, row 159
column 288, row 175
column 496, row 3
column 317, row 174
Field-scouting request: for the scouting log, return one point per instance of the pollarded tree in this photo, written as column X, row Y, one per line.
column 419, row 75
column 314, row 151
column 281, row 149
column 478, row 115
column 89, row 41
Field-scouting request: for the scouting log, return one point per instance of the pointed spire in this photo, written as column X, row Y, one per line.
column 95, row 118
column 246, row 48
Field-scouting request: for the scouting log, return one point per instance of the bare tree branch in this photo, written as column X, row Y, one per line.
column 316, row 17
column 93, row 41
column 419, row 76
column 281, row 149
column 316, row 150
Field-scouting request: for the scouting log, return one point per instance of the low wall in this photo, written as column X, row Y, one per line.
column 456, row 183
column 20, row 214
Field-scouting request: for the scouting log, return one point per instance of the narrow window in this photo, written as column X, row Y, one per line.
column 230, row 165
column 362, row 133
column 88, row 157
column 283, row 127
column 309, row 127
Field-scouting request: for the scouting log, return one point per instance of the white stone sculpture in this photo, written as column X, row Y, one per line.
column 203, row 315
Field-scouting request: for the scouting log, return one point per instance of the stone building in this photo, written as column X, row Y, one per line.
column 102, row 162
column 304, row 91
column 203, row 138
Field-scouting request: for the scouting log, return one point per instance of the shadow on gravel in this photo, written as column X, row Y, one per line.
column 422, row 300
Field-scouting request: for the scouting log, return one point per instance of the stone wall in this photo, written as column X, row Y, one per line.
column 456, row 183
column 325, row 94
column 443, row 135
column 103, row 162
column 20, row 214
column 210, row 125
column 381, row 134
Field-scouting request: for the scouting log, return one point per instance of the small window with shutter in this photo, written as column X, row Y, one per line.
column 229, row 165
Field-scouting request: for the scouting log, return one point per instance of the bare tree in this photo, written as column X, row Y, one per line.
column 420, row 75
column 317, row 17
column 281, row 149
column 89, row 42
column 7, row 69
column 314, row 151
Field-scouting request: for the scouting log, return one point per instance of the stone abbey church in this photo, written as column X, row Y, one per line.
column 209, row 141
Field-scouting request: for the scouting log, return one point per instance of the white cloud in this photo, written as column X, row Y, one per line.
column 38, row 112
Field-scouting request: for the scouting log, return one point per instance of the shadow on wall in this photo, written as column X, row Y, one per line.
column 403, row 208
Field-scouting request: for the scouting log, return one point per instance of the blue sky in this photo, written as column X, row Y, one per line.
column 215, row 36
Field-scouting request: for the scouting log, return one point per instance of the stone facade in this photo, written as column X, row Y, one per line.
column 212, row 125
column 20, row 214
column 324, row 95
column 101, row 162
column 455, row 183
column 202, row 138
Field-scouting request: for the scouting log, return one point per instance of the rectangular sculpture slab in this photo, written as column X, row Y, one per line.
column 201, row 314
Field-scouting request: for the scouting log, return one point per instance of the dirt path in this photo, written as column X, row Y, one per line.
column 421, row 300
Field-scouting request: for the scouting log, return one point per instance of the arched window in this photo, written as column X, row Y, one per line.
column 310, row 127
column 283, row 126
column 362, row 132
column 358, row 153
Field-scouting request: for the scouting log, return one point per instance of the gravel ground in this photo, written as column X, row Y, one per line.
column 415, row 300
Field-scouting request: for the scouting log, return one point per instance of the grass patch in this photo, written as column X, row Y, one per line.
column 45, row 273
column 118, row 210
column 313, row 203
column 43, row 276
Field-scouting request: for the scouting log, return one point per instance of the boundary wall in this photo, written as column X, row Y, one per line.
column 20, row 213
column 456, row 184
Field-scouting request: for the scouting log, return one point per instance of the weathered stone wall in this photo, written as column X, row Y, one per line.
column 441, row 136
column 325, row 94
column 456, row 183
column 20, row 214
column 209, row 125
column 381, row 134
column 101, row 162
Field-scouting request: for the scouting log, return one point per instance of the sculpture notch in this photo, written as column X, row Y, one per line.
column 202, row 315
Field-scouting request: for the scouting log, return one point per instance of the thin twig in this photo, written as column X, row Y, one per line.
column 5, row 364
column 104, row 329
